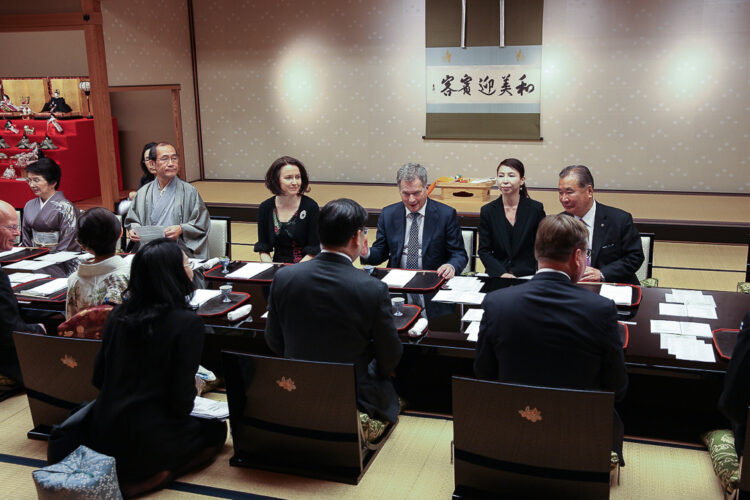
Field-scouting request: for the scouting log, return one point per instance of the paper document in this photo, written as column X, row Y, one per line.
column 701, row 300
column 12, row 251
column 264, row 315
column 48, row 288
column 58, row 257
column 705, row 312
column 18, row 278
column 672, row 310
column 473, row 315
column 250, row 270
column 621, row 295
column 398, row 278
column 697, row 329
column 202, row 296
column 465, row 283
column 661, row 326
column 681, row 328
column 685, row 295
column 459, row 297
column 28, row 265
column 472, row 331
column 208, row 408
column 149, row 233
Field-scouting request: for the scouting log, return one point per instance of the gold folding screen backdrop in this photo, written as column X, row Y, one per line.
column 483, row 69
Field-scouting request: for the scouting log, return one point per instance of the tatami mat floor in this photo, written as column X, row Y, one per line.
column 413, row 464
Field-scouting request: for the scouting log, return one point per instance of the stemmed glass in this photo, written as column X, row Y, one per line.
column 224, row 261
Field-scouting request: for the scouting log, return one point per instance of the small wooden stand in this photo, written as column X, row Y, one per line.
column 480, row 190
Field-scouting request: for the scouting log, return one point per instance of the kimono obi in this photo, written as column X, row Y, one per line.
column 45, row 238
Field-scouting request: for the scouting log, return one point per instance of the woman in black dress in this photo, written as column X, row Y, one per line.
column 507, row 226
column 287, row 221
column 151, row 347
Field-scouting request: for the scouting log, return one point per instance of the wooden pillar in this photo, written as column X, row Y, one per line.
column 97, row 62
column 177, row 122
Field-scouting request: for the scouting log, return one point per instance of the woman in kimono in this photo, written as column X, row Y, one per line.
column 49, row 220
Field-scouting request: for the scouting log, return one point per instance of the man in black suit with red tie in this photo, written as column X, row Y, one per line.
column 550, row 331
column 325, row 309
column 616, row 250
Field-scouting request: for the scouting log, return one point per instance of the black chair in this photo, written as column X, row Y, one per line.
column 516, row 441
column 470, row 235
column 297, row 417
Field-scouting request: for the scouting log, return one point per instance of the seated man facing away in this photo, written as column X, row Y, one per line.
column 10, row 315
column 102, row 279
column 418, row 233
column 171, row 203
column 616, row 251
column 325, row 309
column 735, row 398
column 549, row 331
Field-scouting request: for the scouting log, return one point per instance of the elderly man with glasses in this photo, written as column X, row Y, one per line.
column 170, row 204
column 10, row 315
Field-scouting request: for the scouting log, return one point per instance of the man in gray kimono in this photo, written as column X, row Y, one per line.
column 171, row 203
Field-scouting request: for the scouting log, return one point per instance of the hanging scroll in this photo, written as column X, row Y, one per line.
column 483, row 91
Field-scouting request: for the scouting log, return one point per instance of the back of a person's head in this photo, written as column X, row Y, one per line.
column 339, row 220
column 558, row 236
column 98, row 230
column 157, row 281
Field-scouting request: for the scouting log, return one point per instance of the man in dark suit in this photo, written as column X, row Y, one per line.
column 616, row 250
column 327, row 310
column 735, row 398
column 418, row 233
column 10, row 315
column 549, row 331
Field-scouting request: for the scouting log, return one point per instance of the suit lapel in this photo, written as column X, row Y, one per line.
column 522, row 223
column 430, row 215
column 600, row 229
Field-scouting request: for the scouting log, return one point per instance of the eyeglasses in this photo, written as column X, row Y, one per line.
column 165, row 158
column 14, row 227
column 34, row 180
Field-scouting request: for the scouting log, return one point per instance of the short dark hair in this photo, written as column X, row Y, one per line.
column 581, row 173
column 158, row 283
column 272, row 175
column 98, row 230
column 516, row 165
column 150, row 147
column 339, row 220
column 47, row 168
column 558, row 236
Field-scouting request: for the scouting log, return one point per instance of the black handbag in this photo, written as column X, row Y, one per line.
column 64, row 438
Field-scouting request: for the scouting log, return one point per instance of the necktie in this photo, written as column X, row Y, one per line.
column 412, row 254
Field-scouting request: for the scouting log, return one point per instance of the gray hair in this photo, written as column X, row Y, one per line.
column 581, row 173
column 411, row 171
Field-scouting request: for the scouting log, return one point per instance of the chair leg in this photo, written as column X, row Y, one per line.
column 614, row 476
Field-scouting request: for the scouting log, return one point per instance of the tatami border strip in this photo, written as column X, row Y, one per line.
column 211, row 491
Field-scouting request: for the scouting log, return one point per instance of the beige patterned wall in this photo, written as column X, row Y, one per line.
column 650, row 94
column 148, row 43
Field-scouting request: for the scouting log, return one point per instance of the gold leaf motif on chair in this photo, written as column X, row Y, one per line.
column 286, row 384
column 530, row 414
column 69, row 361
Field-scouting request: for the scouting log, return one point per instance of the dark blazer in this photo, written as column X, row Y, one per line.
column 616, row 248
column 441, row 237
column 551, row 332
column 10, row 321
column 735, row 398
column 497, row 252
column 147, row 381
column 305, row 229
column 325, row 309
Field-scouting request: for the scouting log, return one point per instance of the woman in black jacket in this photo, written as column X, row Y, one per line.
column 151, row 347
column 507, row 226
column 287, row 221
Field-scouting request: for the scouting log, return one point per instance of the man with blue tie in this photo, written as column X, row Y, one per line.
column 418, row 233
